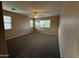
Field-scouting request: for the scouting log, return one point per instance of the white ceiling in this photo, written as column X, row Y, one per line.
column 45, row 8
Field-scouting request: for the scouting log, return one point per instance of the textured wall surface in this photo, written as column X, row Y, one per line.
column 69, row 30
column 53, row 26
column 20, row 25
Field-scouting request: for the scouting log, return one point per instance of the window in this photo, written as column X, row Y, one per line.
column 47, row 23
column 31, row 23
column 44, row 23
column 7, row 22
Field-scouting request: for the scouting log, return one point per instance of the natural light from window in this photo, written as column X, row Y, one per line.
column 7, row 22
column 44, row 23
column 31, row 23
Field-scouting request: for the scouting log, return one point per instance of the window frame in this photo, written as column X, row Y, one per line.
column 40, row 23
column 31, row 25
column 7, row 22
column 44, row 23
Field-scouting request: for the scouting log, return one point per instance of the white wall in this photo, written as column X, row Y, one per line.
column 69, row 30
column 20, row 25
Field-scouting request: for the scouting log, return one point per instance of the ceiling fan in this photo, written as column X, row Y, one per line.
column 38, row 14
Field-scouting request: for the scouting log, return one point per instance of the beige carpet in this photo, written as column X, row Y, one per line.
column 34, row 45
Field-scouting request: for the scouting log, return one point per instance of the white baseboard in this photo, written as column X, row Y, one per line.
column 19, row 35
column 48, row 33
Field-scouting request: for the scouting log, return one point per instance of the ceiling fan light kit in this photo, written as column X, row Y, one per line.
column 36, row 15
